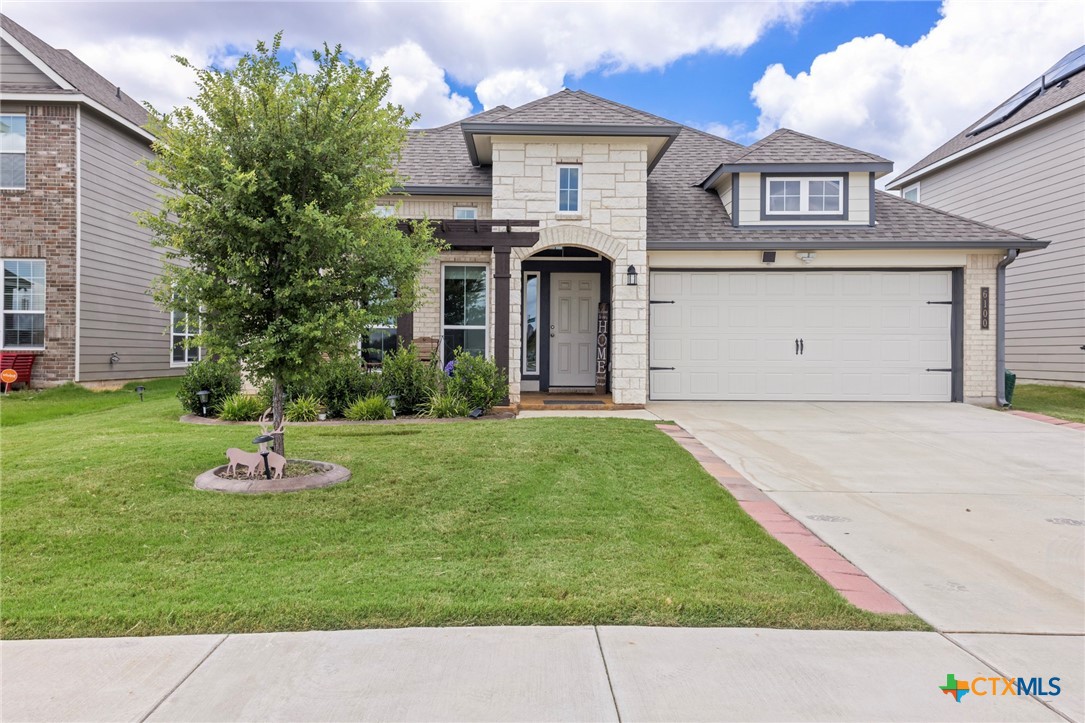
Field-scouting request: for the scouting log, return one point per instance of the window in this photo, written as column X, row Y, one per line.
column 568, row 189
column 384, row 211
column 182, row 329
column 912, row 192
column 12, row 151
column 24, row 304
column 464, row 213
column 813, row 196
column 380, row 340
column 464, row 310
column 531, row 323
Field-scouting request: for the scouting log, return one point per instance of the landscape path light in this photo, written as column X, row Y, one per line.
column 139, row 391
column 204, row 395
column 391, row 399
column 263, row 440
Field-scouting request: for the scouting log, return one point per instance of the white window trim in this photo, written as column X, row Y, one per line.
column 804, row 195
column 472, row 209
column 486, row 324
column 174, row 364
column 538, row 330
column 383, row 210
column 906, row 189
column 4, row 312
column 579, row 189
column 24, row 155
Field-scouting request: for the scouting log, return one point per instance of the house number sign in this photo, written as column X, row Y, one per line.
column 601, row 336
column 985, row 307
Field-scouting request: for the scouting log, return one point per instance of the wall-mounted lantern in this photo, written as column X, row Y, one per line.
column 263, row 440
column 204, row 395
column 631, row 276
column 114, row 358
column 139, row 391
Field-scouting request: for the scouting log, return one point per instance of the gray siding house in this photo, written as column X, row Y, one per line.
column 77, row 267
column 1022, row 168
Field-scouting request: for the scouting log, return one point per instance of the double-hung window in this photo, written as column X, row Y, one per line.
column 464, row 213
column 569, row 189
column 463, row 310
column 805, row 196
column 12, row 151
column 182, row 328
column 24, row 303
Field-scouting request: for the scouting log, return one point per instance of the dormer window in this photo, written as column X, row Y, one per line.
column 789, row 198
column 568, row 189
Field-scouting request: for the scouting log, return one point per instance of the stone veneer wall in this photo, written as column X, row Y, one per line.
column 612, row 221
column 427, row 315
column 980, row 357
column 40, row 223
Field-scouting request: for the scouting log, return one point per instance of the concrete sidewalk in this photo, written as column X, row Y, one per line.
column 518, row 673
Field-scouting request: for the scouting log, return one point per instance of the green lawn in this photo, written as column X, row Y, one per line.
column 563, row 521
column 1062, row 402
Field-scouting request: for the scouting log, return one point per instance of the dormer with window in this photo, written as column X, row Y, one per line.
column 791, row 179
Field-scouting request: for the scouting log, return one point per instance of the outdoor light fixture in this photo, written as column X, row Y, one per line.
column 139, row 391
column 262, row 440
column 391, row 399
column 475, row 413
column 114, row 358
column 204, row 395
column 631, row 276
column 806, row 256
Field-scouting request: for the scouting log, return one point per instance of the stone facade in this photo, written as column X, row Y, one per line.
column 612, row 221
column 40, row 223
column 980, row 344
column 427, row 316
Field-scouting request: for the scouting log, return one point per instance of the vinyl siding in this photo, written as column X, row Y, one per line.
column 1032, row 184
column 17, row 70
column 118, row 261
column 437, row 206
column 749, row 203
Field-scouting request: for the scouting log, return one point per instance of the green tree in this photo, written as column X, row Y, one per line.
column 268, row 217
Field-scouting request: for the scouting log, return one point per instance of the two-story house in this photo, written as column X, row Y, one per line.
column 668, row 263
column 1022, row 167
column 76, row 265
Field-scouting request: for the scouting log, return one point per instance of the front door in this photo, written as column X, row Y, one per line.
column 574, row 306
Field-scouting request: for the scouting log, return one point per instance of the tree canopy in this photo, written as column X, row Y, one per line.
column 271, row 178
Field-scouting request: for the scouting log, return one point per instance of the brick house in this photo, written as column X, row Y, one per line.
column 596, row 247
column 76, row 265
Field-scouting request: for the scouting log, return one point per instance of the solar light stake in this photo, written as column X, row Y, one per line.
column 391, row 399
column 262, row 440
column 203, row 394
column 139, row 391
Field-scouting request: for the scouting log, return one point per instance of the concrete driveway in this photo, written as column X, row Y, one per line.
column 973, row 518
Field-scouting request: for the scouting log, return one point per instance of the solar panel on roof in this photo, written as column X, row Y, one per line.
column 1008, row 108
column 1071, row 64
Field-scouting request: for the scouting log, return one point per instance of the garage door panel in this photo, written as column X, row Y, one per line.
column 867, row 335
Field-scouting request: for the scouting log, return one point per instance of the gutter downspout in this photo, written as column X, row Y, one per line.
column 1000, row 328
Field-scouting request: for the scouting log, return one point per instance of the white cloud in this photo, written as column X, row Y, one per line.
column 737, row 132
column 516, row 87
column 904, row 101
column 418, row 84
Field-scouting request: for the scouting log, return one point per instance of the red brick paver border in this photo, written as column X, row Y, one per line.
column 1049, row 420
column 849, row 581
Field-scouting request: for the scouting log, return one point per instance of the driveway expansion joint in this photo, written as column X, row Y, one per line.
column 832, row 567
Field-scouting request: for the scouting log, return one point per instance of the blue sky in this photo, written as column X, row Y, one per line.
column 893, row 78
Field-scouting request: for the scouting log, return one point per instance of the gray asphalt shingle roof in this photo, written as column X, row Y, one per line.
column 77, row 73
column 1050, row 98
column 788, row 146
column 575, row 107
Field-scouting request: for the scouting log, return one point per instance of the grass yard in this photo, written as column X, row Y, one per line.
column 1062, row 402
column 562, row 521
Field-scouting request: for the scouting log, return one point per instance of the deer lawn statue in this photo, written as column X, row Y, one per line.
column 251, row 460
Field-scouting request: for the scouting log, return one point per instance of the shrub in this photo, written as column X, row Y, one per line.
column 446, row 404
column 220, row 378
column 241, row 408
column 339, row 383
column 302, row 409
column 477, row 380
column 412, row 380
column 371, row 407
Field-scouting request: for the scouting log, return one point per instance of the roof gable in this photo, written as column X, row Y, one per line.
column 575, row 107
column 788, row 146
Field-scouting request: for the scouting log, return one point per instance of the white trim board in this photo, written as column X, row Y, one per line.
column 78, row 98
column 35, row 60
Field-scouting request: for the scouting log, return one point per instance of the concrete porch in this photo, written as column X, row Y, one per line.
column 539, row 401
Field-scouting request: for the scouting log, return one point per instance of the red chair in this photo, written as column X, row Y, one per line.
column 23, row 364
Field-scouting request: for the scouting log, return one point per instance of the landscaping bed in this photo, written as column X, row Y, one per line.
column 536, row 522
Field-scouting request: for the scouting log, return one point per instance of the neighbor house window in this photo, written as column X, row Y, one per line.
column 384, row 211
column 380, row 341
column 464, row 213
column 24, row 304
column 569, row 189
column 912, row 192
column 12, row 151
column 805, row 196
column 183, row 328
column 531, row 323
column 464, row 310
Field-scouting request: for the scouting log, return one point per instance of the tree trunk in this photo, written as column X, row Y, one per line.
column 277, row 394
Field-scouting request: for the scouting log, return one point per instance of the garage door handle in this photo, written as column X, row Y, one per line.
column 940, row 370
column 661, row 369
column 796, row 347
column 802, row 346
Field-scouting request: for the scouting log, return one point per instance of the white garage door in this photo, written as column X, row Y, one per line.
column 811, row 335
